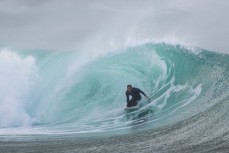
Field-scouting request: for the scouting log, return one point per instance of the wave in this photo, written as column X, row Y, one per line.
column 46, row 92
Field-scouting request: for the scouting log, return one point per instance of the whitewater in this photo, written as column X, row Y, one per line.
column 55, row 97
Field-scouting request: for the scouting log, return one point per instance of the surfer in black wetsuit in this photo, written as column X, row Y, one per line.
column 135, row 94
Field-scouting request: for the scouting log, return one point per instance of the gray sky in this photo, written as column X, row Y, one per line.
column 71, row 24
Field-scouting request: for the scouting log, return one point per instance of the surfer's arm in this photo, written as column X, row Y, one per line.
column 127, row 97
column 143, row 93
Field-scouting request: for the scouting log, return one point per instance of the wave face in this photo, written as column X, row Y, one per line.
column 45, row 92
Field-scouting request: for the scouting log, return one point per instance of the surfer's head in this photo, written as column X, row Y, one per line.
column 129, row 87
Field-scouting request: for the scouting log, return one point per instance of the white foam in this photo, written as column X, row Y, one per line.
column 16, row 80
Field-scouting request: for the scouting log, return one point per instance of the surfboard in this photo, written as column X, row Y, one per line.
column 132, row 108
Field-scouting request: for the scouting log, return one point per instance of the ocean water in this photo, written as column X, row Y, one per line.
column 68, row 101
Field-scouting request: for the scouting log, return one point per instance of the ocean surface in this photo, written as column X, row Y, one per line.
column 68, row 101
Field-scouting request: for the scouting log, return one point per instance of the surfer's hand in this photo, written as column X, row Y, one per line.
column 148, row 98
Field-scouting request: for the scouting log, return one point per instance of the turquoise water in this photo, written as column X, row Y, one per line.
column 47, row 92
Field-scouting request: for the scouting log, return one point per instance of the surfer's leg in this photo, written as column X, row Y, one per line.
column 133, row 102
column 128, row 104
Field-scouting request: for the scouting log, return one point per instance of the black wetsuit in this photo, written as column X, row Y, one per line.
column 135, row 93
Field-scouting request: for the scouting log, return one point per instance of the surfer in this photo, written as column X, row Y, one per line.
column 135, row 94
